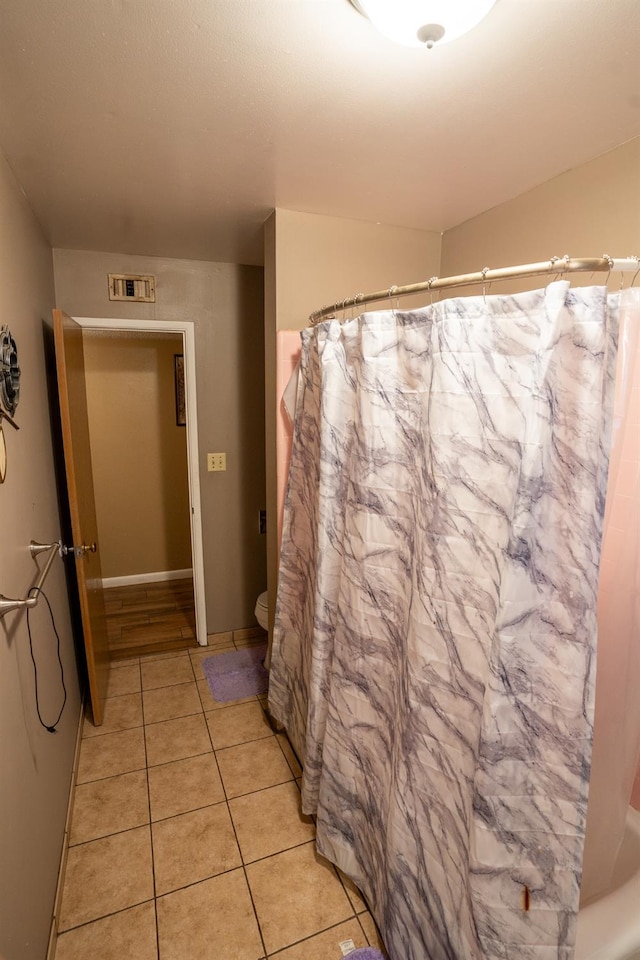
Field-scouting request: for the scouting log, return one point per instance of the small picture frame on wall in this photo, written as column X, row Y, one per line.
column 181, row 410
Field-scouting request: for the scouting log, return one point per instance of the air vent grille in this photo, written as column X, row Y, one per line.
column 129, row 286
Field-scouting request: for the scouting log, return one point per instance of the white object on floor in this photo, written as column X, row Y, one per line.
column 262, row 610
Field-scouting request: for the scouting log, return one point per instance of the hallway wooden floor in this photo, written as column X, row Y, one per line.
column 150, row 618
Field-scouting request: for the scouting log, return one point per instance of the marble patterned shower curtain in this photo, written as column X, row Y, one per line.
column 434, row 650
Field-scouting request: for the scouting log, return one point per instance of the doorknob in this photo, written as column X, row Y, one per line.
column 81, row 550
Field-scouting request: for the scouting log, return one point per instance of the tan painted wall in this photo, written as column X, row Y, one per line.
column 35, row 766
column 313, row 260
column 588, row 211
column 139, row 453
column 225, row 302
column 321, row 260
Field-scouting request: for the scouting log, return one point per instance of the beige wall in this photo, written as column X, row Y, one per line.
column 225, row 302
column 313, row 260
column 586, row 212
column 35, row 766
column 139, row 453
column 320, row 260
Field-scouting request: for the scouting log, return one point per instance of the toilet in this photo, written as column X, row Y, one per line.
column 262, row 610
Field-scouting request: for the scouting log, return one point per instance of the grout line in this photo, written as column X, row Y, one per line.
column 108, row 733
column 184, row 813
column 165, row 763
column 334, row 926
column 382, row 948
column 104, row 916
column 229, row 746
column 180, row 716
column 153, row 862
column 237, row 796
column 155, row 914
column 341, row 877
column 364, row 932
column 106, row 836
column 276, row 853
column 244, row 869
column 164, row 686
column 255, row 912
column 203, row 753
column 235, row 833
column 196, row 883
column 110, row 776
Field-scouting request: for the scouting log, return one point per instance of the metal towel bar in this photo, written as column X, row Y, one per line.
column 6, row 604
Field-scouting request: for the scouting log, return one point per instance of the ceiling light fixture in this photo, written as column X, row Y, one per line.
column 418, row 23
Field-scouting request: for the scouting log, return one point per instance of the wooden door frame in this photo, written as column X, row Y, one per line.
column 187, row 330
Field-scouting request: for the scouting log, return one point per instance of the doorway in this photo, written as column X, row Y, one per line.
column 161, row 596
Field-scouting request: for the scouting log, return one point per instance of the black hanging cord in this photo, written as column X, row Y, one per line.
column 51, row 728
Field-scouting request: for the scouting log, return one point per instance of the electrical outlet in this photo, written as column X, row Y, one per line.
column 216, row 461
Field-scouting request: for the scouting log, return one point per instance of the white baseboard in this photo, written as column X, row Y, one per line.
column 147, row 578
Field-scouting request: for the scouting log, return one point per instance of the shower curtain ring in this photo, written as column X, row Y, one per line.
column 484, row 271
column 390, row 294
column 552, row 265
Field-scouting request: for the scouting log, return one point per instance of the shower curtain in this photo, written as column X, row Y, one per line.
column 434, row 649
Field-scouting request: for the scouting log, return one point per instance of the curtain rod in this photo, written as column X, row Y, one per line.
column 557, row 265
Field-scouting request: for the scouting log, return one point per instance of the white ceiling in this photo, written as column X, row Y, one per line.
column 173, row 127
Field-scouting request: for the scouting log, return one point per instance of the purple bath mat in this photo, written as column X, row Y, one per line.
column 237, row 674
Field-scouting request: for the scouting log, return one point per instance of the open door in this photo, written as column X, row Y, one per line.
column 77, row 457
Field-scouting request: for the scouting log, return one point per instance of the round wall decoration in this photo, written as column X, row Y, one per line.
column 9, row 372
column 3, row 456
